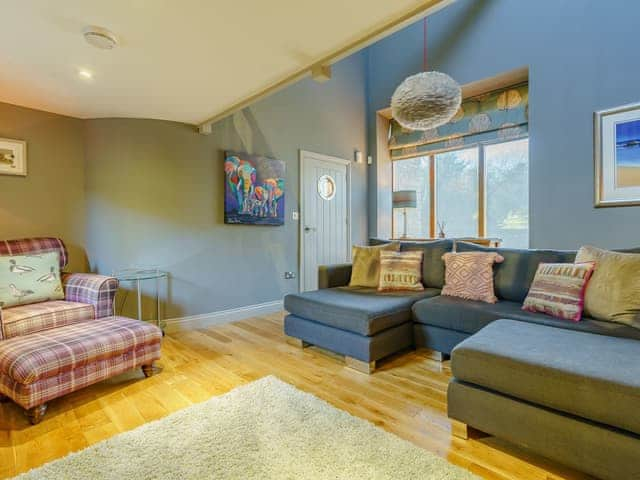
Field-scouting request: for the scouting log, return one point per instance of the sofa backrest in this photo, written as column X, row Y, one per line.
column 514, row 276
column 432, row 265
column 26, row 246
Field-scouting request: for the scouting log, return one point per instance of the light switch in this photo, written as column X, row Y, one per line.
column 295, row 215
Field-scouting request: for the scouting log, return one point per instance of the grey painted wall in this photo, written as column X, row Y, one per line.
column 49, row 201
column 582, row 58
column 155, row 192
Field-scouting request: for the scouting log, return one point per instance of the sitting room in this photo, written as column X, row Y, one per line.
column 320, row 240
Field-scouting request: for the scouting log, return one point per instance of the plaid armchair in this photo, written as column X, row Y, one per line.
column 87, row 296
column 49, row 349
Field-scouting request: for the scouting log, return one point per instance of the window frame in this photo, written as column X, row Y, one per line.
column 481, row 227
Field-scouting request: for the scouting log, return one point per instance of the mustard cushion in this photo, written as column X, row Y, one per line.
column 613, row 293
column 365, row 271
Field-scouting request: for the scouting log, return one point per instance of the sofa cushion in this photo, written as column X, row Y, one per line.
column 469, row 316
column 432, row 264
column 513, row 277
column 26, row 279
column 360, row 310
column 365, row 271
column 36, row 317
column 591, row 376
column 29, row 358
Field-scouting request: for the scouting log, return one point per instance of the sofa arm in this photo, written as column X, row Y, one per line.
column 330, row 276
column 96, row 290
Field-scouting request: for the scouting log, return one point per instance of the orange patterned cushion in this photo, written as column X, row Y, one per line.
column 400, row 271
column 469, row 275
column 558, row 289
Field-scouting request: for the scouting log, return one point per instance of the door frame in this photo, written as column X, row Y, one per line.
column 324, row 158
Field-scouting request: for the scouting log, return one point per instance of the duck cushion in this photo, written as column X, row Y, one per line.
column 28, row 279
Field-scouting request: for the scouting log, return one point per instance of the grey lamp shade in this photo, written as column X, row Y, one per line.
column 404, row 199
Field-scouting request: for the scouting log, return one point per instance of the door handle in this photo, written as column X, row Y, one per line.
column 309, row 229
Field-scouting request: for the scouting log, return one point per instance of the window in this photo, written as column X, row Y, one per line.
column 479, row 191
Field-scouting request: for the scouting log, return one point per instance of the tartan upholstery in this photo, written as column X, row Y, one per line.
column 24, row 246
column 36, row 317
column 96, row 290
column 46, row 389
column 41, row 366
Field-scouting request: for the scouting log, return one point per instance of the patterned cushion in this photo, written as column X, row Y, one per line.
column 39, row 245
column 25, row 319
column 28, row 279
column 613, row 293
column 30, row 358
column 558, row 290
column 469, row 275
column 366, row 264
column 400, row 271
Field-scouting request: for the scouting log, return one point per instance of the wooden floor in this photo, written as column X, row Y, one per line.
column 406, row 396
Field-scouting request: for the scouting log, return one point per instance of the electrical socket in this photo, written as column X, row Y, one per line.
column 289, row 275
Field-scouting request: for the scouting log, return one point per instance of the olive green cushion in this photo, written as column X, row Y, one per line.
column 366, row 264
column 613, row 293
column 28, row 279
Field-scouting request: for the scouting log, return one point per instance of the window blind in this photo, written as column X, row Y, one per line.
column 499, row 115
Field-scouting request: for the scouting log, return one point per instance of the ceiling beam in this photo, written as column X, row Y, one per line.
column 324, row 63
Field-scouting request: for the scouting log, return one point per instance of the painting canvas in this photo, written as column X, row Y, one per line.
column 254, row 189
column 13, row 157
column 617, row 156
column 628, row 154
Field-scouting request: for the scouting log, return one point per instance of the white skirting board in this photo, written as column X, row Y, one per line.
column 223, row 316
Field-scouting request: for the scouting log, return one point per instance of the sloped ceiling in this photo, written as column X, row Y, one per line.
column 181, row 60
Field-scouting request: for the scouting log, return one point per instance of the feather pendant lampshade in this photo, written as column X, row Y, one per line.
column 426, row 100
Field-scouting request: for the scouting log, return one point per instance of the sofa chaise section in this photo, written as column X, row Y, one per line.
column 360, row 323
column 570, row 396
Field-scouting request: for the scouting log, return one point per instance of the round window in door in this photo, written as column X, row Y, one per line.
column 326, row 187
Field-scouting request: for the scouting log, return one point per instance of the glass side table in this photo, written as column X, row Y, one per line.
column 137, row 276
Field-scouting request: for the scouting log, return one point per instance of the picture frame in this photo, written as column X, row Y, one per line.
column 617, row 156
column 13, row 157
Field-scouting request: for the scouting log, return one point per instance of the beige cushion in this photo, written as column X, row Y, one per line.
column 469, row 275
column 400, row 271
column 613, row 293
column 366, row 264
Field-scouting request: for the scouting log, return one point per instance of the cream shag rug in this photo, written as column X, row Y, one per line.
column 264, row 430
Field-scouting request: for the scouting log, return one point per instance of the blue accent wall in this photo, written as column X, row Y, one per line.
column 582, row 57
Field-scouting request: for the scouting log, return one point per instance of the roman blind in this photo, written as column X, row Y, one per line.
column 495, row 116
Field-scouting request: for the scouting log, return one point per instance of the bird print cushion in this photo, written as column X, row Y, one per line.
column 28, row 279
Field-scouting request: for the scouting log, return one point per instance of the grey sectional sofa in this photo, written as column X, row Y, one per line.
column 569, row 391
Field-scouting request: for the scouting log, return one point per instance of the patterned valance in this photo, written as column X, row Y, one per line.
column 494, row 116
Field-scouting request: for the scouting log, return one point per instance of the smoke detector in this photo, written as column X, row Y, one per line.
column 100, row 37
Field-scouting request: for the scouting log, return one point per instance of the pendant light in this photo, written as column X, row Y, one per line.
column 426, row 100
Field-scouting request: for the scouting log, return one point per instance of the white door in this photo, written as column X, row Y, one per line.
column 324, row 215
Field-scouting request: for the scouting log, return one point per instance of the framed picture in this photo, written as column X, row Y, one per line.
column 617, row 156
column 253, row 189
column 13, row 157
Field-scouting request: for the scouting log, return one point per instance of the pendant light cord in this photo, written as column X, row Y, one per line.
column 424, row 45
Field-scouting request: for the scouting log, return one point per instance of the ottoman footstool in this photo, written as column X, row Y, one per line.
column 42, row 366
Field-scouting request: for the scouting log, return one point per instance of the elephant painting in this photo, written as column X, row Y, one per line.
column 254, row 189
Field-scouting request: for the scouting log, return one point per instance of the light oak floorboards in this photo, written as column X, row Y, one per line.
column 406, row 396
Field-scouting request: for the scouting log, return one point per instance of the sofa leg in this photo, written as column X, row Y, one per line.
column 360, row 366
column 435, row 355
column 150, row 370
column 297, row 342
column 459, row 429
column 35, row 414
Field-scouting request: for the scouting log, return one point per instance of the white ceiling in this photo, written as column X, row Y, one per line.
column 182, row 60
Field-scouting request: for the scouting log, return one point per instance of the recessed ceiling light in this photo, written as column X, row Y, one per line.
column 86, row 74
column 100, row 37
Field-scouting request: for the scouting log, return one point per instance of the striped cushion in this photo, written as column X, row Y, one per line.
column 558, row 289
column 400, row 271
column 42, row 355
column 469, row 275
column 36, row 317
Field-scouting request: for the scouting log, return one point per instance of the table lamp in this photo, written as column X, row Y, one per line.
column 404, row 199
